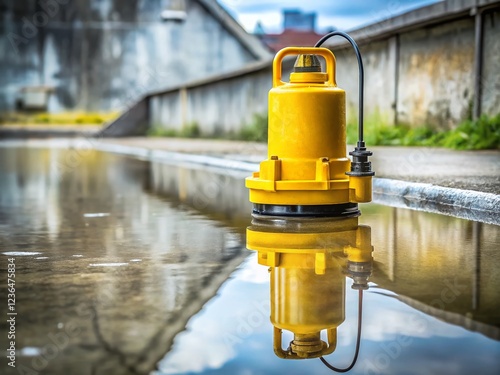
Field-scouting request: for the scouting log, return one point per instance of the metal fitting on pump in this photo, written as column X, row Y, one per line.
column 307, row 69
column 307, row 63
column 360, row 166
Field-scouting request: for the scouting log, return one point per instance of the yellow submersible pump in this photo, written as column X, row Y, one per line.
column 305, row 204
column 307, row 172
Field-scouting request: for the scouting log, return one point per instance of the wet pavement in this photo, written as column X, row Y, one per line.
column 131, row 267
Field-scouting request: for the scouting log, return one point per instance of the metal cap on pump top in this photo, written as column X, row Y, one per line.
column 307, row 69
column 307, row 63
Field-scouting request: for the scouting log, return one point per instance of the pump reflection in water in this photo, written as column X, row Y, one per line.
column 308, row 258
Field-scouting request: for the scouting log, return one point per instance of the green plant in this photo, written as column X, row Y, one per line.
column 190, row 130
column 256, row 131
column 377, row 134
column 484, row 133
column 156, row 131
column 480, row 134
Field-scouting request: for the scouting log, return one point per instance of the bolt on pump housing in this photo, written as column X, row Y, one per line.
column 307, row 172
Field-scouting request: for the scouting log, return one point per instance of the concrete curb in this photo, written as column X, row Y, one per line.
column 176, row 157
column 465, row 204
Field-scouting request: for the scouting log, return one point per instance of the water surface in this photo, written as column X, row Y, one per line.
column 130, row 267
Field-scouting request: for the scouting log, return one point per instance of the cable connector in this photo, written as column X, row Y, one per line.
column 360, row 166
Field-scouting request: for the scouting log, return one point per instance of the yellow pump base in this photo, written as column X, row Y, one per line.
column 305, row 172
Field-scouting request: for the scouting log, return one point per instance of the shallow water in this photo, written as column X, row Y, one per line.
column 125, row 266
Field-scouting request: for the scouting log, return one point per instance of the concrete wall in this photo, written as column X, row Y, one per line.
column 134, row 121
column 380, row 65
column 490, row 75
column 222, row 106
column 104, row 55
column 418, row 77
column 436, row 81
column 437, row 65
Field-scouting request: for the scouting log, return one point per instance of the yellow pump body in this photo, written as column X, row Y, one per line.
column 307, row 162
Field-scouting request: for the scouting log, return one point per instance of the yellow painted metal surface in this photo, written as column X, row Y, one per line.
column 307, row 159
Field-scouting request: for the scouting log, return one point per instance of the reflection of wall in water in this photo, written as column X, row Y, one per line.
column 219, row 194
column 439, row 261
column 139, row 309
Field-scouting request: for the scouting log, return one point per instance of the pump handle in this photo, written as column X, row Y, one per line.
column 324, row 52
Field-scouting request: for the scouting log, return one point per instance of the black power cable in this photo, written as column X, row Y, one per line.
column 360, row 151
column 361, row 74
column 360, row 166
column 358, row 339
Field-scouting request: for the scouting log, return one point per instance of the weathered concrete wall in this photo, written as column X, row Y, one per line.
column 490, row 77
column 218, row 105
column 380, row 65
column 104, row 55
column 421, row 68
column 424, row 76
column 431, row 66
column 223, row 106
column 436, row 79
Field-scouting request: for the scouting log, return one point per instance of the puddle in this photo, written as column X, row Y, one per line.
column 108, row 264
column 20, row 253
column 170, row 287
column 30, row 352
column 99, row 214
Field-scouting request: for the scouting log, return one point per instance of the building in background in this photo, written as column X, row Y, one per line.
column 298, row 30
column 103, row 55
column 294, row 19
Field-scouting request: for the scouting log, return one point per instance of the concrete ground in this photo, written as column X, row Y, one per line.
column 466, row 170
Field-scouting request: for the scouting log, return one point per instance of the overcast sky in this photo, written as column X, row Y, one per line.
column 341, row 14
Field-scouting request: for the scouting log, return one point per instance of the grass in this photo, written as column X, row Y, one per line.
column 64, row 118
column 256, row 131
column 475, row 135
column 481, row 134
column 191, row 130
